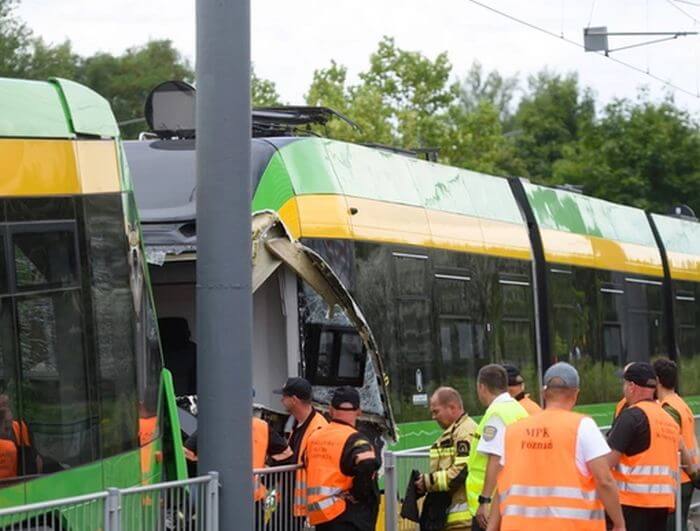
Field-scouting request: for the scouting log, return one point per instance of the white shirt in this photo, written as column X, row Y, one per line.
column 494, row 435
column 590, row 444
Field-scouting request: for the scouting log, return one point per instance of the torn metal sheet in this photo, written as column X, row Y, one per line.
column 272, row 246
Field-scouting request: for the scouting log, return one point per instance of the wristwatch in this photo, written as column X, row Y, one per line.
column 484, row 499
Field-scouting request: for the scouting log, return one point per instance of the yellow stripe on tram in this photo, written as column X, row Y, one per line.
column 39, row 167
column 345, row 217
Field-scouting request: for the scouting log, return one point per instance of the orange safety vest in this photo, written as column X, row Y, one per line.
column 8, row 459
column 540, row 486
column 316, row 423
column 649, row 479
column 326, row 483
column 530, row 405
column 21, row 432
column 261, row 435
column 687, row 428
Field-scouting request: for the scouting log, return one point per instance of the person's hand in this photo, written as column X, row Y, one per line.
column 420, row 485
column 482, row 515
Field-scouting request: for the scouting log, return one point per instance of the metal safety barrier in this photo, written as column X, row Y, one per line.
column 187, row 505
column 277, row 490
column 397, row 473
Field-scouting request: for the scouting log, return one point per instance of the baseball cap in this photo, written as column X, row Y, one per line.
column 298, row 387
column 641, row 373
column 562, row 375
column 514, row 377
column 346, row 394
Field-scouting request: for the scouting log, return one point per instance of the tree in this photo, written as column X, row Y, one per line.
column 127, row 79
column 14, row 41
column 46, row 61
column 263, row 91
column 550, row 117
column 479, row 86
column 639, row 153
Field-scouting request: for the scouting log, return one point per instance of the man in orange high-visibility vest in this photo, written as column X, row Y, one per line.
column 516, row 389
column 296, row 400
column 341, row 464
column 645, row 442
column 555, row 474
column 667, row 382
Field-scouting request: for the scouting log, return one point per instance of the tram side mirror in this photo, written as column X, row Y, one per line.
column 170, row 110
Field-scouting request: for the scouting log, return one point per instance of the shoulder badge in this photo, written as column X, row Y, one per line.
column 490, row 433
column 462, row 448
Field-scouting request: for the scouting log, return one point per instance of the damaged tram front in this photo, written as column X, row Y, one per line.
column 305, row 322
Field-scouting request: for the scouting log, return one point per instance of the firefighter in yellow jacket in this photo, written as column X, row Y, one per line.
column 448, row 455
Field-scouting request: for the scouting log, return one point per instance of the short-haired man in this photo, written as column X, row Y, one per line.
column 516, row 388
column 487, row 448
column 555, row 467
column 296, row 400
column 645, row 442
column 341, row 464
column 667, row 378
column 448, row 455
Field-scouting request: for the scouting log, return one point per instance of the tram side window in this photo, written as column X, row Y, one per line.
column 515, row 341
column 50, row 336
column 114, row 318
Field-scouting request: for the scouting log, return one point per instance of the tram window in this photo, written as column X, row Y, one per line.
column 14, row 458
column 452, row 293
column 516, row 337
column 612, row 303
column 515, row 296
column 458, row 340
column 55, row 377
column 40, row 209
column 44, row 259
column 334, row 355
column 114, row 318
column 410, row 273
column 612, row 344
column 351, row 357
column 148, row 377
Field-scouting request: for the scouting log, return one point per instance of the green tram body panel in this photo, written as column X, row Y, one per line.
column 96, row 214
column 619, row 249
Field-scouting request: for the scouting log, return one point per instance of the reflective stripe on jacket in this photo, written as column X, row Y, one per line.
column 326, row 485
column 687, row 428
column 448, row 464
column 316, row 423
column 649, row 479
column 509, row 412
column 261, row 435
column 540, row 486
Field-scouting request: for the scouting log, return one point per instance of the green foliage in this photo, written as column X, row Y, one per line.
column 263, row 91
column 127, row 79
column 14, row 41
column 634, row 151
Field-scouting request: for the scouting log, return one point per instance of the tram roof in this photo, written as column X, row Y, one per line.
column 681, row 238
column 57, row 108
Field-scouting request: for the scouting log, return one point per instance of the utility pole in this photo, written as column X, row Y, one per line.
column 224, row 297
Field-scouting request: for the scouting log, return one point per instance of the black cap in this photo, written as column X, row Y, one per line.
column 514, row 377
column 298, row 387
column 346, row 394
column 640, row 373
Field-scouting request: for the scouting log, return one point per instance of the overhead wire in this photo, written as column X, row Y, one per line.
column 688, row 2
column 579, row 45
column 679, row 8
column 590, row 17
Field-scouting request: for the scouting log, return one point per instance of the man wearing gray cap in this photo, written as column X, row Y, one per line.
column 555, row 467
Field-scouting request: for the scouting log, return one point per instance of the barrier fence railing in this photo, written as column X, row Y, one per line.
column 187, row 505
column 278, row 489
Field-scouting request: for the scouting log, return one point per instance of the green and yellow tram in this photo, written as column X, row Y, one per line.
column 452, row 269
column 85, row 403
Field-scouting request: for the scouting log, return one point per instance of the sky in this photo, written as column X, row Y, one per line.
column 292, row 39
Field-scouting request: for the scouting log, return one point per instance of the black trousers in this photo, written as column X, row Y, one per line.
column 643, row 519
column 686, row 497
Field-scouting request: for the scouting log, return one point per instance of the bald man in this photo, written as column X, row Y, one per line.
column 448, row 456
